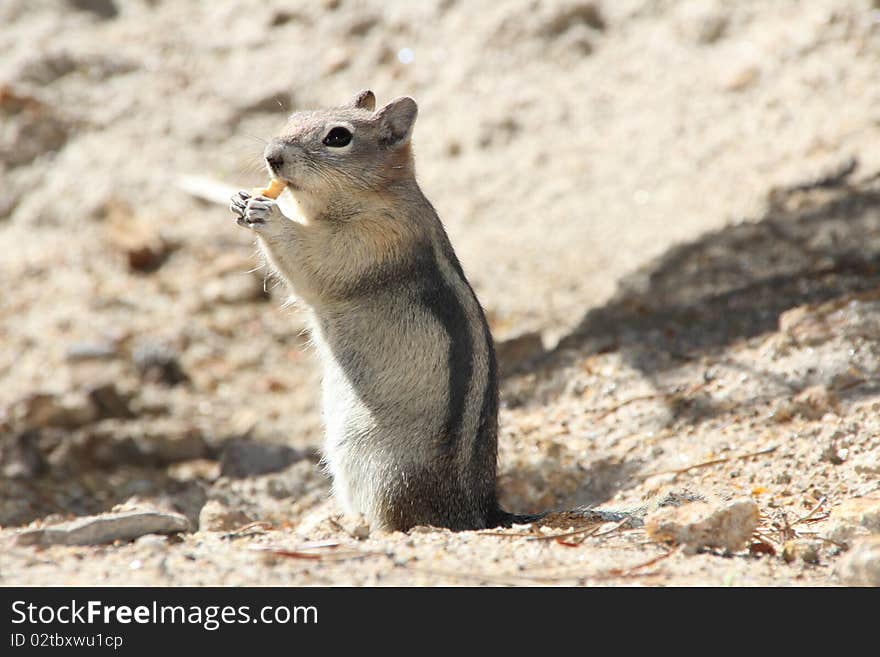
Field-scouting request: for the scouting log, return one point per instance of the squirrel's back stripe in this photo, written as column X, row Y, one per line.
column 440, row 298
column 487, row 426
column 483, row 445
column 487, row 429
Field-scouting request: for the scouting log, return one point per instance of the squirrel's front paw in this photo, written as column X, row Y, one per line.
column 255, row 212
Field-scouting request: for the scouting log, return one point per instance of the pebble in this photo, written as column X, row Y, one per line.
column 812, row 403
column 561, row 17
column 801, row 549
column 861, row 511
column 805, row 325
column 105, row 528
column 31, row 126
column 217, row 517
column 109, row 402
column 355, row 526
column 700, row 525
column 104, row 9
column 39, row 410
column 868, row 463
column 152, row 542
column 20, row 455
column 741, row 78
column 79, row 351
column 158, row 363
column 137, row 238
column 861, row 565
column 701, row 24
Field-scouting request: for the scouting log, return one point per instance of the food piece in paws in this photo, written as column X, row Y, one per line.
column 273, row 190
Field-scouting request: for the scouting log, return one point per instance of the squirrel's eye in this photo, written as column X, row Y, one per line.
column 337, row 138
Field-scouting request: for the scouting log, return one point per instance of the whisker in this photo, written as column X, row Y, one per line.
column 253, row 165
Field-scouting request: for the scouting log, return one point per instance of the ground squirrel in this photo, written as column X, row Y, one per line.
column 410, row 391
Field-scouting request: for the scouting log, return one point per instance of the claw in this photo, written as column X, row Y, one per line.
column 253, row 211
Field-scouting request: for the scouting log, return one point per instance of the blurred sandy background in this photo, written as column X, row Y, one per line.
column 565, row 143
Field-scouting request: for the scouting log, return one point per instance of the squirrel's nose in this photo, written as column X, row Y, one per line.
column 274, row 155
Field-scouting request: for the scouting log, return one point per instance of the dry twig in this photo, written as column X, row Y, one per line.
column 706, row 464
column 249, row 529
column 809, row 516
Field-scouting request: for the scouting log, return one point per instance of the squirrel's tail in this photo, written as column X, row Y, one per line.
column 502, row 518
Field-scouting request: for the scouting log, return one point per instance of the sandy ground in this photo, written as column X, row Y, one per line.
column 670, row 210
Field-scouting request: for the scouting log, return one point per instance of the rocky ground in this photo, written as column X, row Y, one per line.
column 671, row 211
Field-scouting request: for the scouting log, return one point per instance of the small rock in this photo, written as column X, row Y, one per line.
column 801, row 549
column 108, row 402
column 46, row 67
column 105, row 528
column 104, row 9
column 246, row 458
column 659, row 481
column 844, row 533
column 805, row 325
column 362, row 24
column 741, row 78
column 811, row 404
column 355, row 526
column 861, row 511
column 868, row 464
column 700, row 23
column 848, row 379
column 563, row 16
column 207, row 469
column 158, row 363
column 861, row 565
column 701, row 525
column 152, row 542
column 41, row 410
column 833, row 454
column 217, row 517
column 187, row 498
column 427, row 529
column 679, row 497
column 137, row 238
column 284, row 16
column 578, row 40
column 31, row 127
column 20, row 455
column 79, row 351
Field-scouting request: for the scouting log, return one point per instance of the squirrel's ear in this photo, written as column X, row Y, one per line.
column 396, row 121
column 363, row 100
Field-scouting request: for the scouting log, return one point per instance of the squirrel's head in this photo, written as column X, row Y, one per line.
column 346, row 149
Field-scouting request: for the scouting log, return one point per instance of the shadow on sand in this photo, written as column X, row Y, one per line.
column 817, row 241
